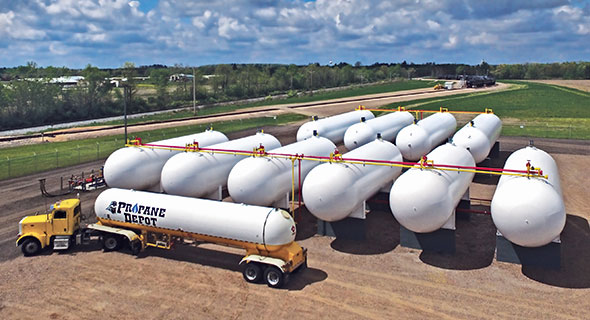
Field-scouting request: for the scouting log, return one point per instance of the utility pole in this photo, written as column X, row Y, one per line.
column 125, row 87
column 194, row 92
column 311, row 82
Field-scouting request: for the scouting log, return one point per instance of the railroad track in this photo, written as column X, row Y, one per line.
column 212, row 116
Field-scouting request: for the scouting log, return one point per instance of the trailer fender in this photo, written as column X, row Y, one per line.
column 130, row 235
column 279, row 263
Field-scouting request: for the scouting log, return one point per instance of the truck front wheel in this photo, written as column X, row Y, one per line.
column 110, row 242
column 252, row 272
column 30, row 247
column 274, row 277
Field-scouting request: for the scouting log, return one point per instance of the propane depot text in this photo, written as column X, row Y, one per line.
column 136, row 213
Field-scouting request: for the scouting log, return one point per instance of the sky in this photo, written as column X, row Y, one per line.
column 108, row 33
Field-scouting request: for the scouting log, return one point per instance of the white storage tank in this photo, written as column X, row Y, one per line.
column 424, row 200
column 333, row 127
column 204, row 174
column 479, row 135
column 140, row 168
column 334, row 191
column 529, row 211
column 268, row 226
column 416, row 140
column 267, row 181
column 387, row 125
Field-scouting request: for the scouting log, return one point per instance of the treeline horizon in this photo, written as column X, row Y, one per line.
column 25, row 103
column 534, row 71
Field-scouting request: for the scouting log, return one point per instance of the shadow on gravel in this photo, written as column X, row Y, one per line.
column 475, row 245
column 575, row 258
column 381, row 231
column 229, row 261
column 306, row 224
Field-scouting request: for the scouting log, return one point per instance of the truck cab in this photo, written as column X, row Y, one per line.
column 57, row 227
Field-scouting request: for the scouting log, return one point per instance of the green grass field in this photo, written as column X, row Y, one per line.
column 527, row 109
column 23, row 160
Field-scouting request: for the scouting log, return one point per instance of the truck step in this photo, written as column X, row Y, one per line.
column 61, row 243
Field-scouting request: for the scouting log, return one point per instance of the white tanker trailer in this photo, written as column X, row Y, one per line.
column 418, row 139
column 479, row 135
column 267, row 181
column 141, row 219
column 333, row 127
column 140, row 168
column 529, row 211
column 201, row 174
column 424, row 199
column 387, row 125
column 334, row 191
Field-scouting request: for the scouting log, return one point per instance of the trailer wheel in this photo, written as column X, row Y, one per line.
column 274, row 277
column 30, row 247
column 110, row 242
column 135, row 247
column 252, row 272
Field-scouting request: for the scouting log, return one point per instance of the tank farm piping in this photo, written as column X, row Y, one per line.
column 336, row 157
column 421, row 112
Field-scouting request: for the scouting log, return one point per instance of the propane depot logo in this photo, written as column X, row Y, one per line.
column 137, row 213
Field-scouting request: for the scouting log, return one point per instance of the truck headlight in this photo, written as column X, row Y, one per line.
column 20, row 226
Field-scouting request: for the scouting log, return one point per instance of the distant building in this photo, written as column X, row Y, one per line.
column 180, row 77
column 67, row 80
column 118, row 81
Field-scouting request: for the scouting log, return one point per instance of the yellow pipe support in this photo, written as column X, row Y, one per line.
column 293, row 186
column 431, row 111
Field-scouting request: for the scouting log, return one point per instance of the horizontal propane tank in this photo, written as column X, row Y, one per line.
column 266, row 180
column 529, row 211
column 260, row 225
column 416, row 140
column 387, row 125
column 140, row 168
column 332, row 191
column 334, row 127
column 202, row 174
column 423, row 199
column 479, row 135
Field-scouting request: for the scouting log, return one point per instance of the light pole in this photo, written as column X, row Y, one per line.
column 311, row 82
column 194, row 93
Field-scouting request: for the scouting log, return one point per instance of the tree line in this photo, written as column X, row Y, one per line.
column 28, row 98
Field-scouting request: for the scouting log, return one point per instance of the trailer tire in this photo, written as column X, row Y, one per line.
column 274, row 277
column 252, row 272
column 30, row 247
column 111, row 242
column 135, row 247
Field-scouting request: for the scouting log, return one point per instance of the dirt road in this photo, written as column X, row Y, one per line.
column 322, row 109
column 374, row 279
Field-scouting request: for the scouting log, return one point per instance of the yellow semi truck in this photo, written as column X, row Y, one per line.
column 140, row 219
